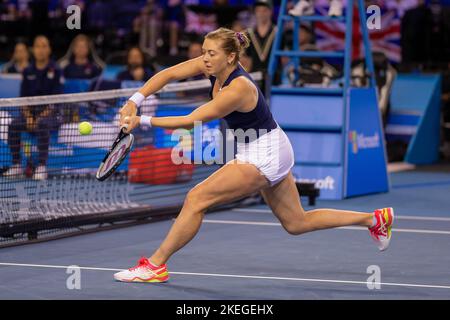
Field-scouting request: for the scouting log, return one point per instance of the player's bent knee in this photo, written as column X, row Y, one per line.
column 195, row 200
column 293, row 228
column 290, row 229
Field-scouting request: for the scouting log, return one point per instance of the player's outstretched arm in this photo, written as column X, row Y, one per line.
column 180, row 71
column 226, row 101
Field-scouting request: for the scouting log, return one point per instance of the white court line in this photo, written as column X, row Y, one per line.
column 255, row 223
column 396, row 217
column 422, row 218
column 236, row 276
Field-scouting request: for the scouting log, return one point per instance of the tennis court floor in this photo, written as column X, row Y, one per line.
column 245, row 254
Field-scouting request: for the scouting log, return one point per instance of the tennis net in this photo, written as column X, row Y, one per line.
column 47, row 168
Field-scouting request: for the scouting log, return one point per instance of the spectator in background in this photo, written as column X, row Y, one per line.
column 8, row 11
column 306, row 38
column 81, row 61
column 148, row 26
column 306, row 42
column 136, row 70
column 42, row 77
column 237, row 26
column 194, row 51
column 261, row 35
column 175, row 18
column 11, row 10
column 19, row 61
column 24, row 10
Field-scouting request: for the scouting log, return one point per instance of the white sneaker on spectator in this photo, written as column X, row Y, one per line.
column 40, row 173
column 335, row 8
column 302, row 8
column 15, row 171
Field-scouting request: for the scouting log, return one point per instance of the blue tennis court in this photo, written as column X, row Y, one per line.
column 244, row 253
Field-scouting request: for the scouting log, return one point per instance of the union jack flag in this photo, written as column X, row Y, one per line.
column 331, row 35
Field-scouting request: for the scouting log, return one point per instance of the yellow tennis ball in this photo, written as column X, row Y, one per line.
column 85, row 128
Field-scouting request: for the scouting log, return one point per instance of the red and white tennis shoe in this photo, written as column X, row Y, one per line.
column 381, row 232
column 144, row 271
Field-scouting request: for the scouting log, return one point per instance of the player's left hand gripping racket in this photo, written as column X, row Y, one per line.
column 119, row 150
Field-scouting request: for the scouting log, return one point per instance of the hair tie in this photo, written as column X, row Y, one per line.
column 240, row 37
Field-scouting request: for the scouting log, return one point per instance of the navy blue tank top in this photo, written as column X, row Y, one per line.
column 259, row 118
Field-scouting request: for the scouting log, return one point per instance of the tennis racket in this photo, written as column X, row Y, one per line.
column 118, row 152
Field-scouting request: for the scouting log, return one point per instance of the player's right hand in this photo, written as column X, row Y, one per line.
column 131, row 123
column 128, row 110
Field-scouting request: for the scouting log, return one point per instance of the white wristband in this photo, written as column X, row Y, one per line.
column 137, row 98
column 146, row 121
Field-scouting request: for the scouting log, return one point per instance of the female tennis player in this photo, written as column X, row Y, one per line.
column 237, row 99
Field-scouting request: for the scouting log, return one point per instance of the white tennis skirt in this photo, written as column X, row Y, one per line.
column 271, row 153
